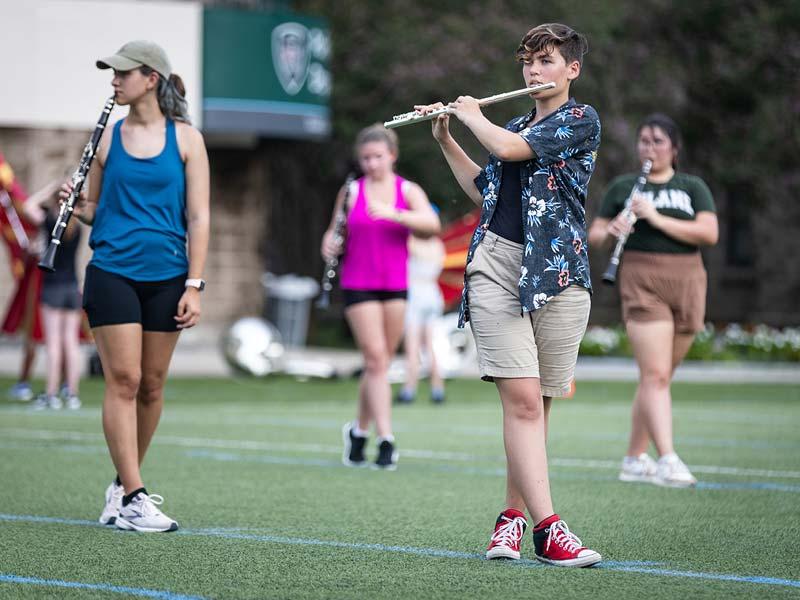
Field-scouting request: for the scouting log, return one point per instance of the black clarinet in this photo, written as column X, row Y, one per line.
column 610, row 276
column 78, row 179
column 339, row 228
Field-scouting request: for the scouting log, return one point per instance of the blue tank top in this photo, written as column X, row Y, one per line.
column 139, row 228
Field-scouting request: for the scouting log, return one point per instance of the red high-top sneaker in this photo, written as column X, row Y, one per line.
column 556, row 545
column 507, row 536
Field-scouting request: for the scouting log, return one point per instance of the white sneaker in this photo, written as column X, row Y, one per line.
column 114, row 494
column 638, row 468
column 672, row 472
column 43, row 402
column 142, row 514
column 73, row 402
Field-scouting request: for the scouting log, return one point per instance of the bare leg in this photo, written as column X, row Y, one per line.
column 365, row 320
column 52, row 319
column 412, row 348
column 394, row 312
column 652, row 343
column 680, row 346
column 437, row 383
column 513, row 495
column 524, row 437
column 28, row 356
column 364, row 417
column 120, row 348
column 72, row 349
column 368, row 323
column 640, row 435
column 157, row 349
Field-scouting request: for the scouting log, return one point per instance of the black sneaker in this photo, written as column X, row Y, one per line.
column 353, row 455
column 387, row 456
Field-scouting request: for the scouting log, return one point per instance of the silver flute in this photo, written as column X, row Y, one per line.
column 415, row 117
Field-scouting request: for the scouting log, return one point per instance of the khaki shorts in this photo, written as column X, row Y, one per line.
column 655, row 286
column 543, row 343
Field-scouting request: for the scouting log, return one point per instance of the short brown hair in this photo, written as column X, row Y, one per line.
column 571, row 44
column 377, row 133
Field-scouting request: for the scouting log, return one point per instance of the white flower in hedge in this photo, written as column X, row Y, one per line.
column 791, row 336
column 766, row 338
column 734, row 334
column 707, row 334
column 604, row 338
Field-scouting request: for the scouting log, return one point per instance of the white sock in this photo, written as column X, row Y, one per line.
column 387, row 438
column 358, row 432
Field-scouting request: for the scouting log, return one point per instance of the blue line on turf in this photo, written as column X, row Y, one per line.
column 102, row 587
column 624, row 566
column 714, row 576
column 753, row 485
column 488, row 471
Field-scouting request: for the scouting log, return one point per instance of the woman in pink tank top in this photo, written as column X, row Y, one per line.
column 382, row 210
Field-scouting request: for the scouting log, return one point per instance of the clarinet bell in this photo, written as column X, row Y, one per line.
column 610, row 276
column 49, row 257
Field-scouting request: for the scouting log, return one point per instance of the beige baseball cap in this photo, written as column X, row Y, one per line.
column 135, row 54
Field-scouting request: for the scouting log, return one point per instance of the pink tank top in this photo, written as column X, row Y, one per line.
column 376, row 250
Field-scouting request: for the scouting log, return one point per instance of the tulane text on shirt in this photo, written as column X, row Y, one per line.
column 674, row 199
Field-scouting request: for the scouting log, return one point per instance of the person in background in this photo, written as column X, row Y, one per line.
column 23, row 315
column 60, row 303
column 382, row 210
column 662, row 285
column 425, row 305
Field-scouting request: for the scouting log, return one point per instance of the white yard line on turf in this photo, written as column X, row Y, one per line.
column 191, row 442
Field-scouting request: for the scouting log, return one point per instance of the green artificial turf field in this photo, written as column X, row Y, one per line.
column 251, row 469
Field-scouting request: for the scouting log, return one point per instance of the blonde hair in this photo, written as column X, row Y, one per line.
column 377, row 133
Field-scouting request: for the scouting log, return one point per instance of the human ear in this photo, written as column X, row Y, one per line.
column 573, row 70
column 152, row 80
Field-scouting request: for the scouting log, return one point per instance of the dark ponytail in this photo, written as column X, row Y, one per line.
column 171, row 95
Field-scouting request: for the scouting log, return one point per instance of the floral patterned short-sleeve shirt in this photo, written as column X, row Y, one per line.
column 554, row 188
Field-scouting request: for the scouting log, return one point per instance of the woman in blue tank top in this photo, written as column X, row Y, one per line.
column 148, row 193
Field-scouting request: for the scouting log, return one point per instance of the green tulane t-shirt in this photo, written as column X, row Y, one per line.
column 681, row 197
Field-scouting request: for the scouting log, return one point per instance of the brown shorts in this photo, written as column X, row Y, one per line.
column 542, row 344
column 664, row 287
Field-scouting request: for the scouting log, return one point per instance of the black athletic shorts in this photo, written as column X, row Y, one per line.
column 111, row 299
column 62, row 295
column 355, row 296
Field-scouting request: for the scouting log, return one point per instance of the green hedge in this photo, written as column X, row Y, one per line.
column 733, row 342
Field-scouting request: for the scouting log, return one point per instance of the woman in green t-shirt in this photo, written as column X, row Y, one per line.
column 662, row 287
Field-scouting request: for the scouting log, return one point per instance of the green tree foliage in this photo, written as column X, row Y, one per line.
column 727, row 71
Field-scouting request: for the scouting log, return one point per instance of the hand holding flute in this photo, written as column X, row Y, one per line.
column 431, row 111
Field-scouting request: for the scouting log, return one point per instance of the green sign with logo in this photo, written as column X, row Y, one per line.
column 266, row 73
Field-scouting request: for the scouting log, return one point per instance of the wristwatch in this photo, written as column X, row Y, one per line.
column 200, row 284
